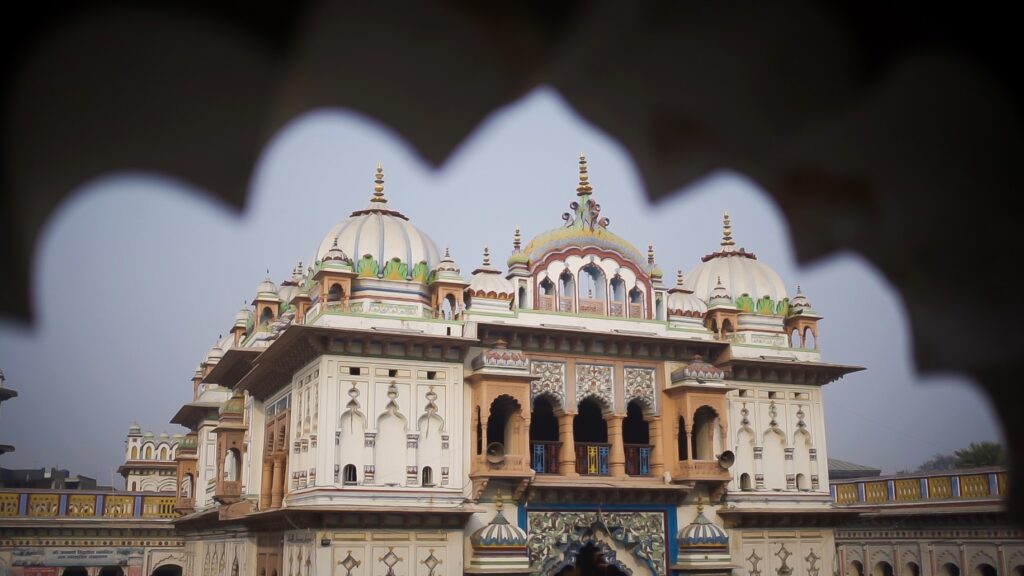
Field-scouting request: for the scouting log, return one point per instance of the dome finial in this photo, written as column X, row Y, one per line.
column 517, row 241
column 487, row 256
column 498, row 502
column 650, row 253
column 378, row 188
column 584, row 188
column 679, row 277
column 726, row 230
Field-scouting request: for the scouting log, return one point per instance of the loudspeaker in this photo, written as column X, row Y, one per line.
column 495, row 452
column 726, row 459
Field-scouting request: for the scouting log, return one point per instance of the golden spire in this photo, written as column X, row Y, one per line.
column 487, row 256
column 517, row 241
column 498, row 501
column 378, row 188
column 650, row 253
column 679, row 277
column 584, row 188
column 700, row 504
column 726, row 230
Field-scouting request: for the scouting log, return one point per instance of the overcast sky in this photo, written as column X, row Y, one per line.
column 137, row 274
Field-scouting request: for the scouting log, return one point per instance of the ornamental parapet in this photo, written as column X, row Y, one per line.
column 980, row 484
column 85, row 505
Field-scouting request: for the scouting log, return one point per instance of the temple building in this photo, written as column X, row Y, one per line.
column 365, row 415
column 149, row 461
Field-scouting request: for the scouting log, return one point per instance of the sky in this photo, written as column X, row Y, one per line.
column 137, row 274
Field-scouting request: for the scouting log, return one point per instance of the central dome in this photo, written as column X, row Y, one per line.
column 382, row 242
column 741, row 274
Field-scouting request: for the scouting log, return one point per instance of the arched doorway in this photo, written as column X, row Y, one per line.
column 544, row 443
column 590, row 431
column 75, row 571
column 591, row 560
column 984, row 570
column 111, row 571
column 168, row 570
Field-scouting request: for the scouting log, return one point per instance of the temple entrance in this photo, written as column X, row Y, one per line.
column 590, row 561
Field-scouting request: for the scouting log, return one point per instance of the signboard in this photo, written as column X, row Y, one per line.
column 94, row 556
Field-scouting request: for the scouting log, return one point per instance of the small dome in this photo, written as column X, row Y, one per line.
column 392, row 247
column 215, row 353
column 683, row 302
column 267, row 290
column 488, row 282
column 738, row 269
column 134, row 429
column 242, row 316
column 800, row 304
column 232, row 406
column 703, row 533
column 498, row 533
column 447, row 269
column 148, row 434
column 178, row 437
column 720, row 296
column 336, row 255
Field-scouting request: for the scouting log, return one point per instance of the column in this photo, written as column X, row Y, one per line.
column 790, row 476
column 657, row 457
column 267, row 484
column 617, row 455
column 567, row 453
column 759, row 467
column 277, row 491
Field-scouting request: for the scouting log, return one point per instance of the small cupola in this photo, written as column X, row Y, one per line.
column 488, row 290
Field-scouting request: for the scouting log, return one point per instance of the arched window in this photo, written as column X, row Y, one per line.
column 856, row 568
column 882, row 569
column 911, row 569
column 544, row 442
column 984, row 570
column 636, row 303
column 447, row 309
column 163, row 453
column 566, row 292
column 231, row 466
column 134, row 486
column 794, row 338
column 266, row 316
column 809, row 340
column 636, row 439
column 745, row 482
column 659, row 308
column 149, row 452
column 704, row 421
column 336, row 293
column 803, row 484
column 135, row 453
column 590, row 431
column 547, row 287
column 499, row 423
column 592, row 294
column 617, row 303
column 521, row 299
column 727, row 327
column 350, row 474
column 427, row 477
column 682, row 446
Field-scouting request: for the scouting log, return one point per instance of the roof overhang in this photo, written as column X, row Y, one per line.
column 379, row 517
column 191, row 414
column 301, row 344
column 235, row 363
column 772, row 517
column 786, row 371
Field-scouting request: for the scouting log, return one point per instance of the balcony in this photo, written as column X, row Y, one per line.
column 638, row 459
column 591, row 306
column 185, row 505
column 228, row 491
column 978, row 485
column 546, row 303
column 592, row 459
column 511, row 465
column 636, row 310
column 565, row 304
column 699, row 470
column 545, row 457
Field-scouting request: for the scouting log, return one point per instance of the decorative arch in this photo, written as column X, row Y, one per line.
column 390, row 446
column 544, row 434
column 911, row 568
column 135, row 453
column 147, row 452
column 773, row 458
column 855, row 568
column 577, row 553
column 232, row 465
column 504, row 414
column 705, row 420
column 882, row 568
column 431, row 429
column 982, row 558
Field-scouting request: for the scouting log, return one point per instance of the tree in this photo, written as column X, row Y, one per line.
column 938, row 463
column 981, row 454
column 976, row 455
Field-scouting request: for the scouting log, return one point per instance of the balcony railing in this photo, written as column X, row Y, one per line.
column 709, row 470
column 591, row 306
column 616, row 309
column 546, row 303
column 636, row 311
column 592, row 459
column 544, row 457
column 638, row 459
column 984, row 484
column 36, row 503
column 565, row 303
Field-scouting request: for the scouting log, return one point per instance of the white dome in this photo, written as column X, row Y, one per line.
column 381, row 233
column 488, row 282
column 740, row 272
column 683, row 302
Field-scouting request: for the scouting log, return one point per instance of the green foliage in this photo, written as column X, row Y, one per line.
column 981, row 454
column 782, row 309
column 976, row 455
column 764, row 305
